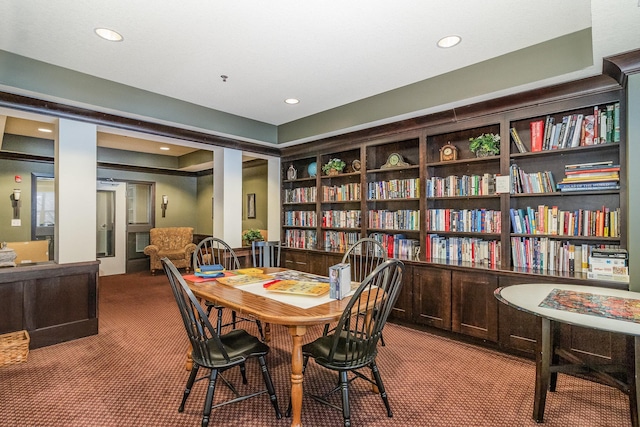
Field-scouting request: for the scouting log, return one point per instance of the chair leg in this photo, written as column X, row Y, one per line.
column 325, row 332
column 259, row 325
column 243, row 372
column 219, row 324
column 233, row 319
column 344, row 385
column 383, row 393
column 187, row 389
column 382, row 340
column 208, row 403
column 270, row 389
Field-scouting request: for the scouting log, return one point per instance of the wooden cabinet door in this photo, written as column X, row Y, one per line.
column 295, row 260
column 517, row 329
column 474, row 309
column 402, row 308
column 432, row 297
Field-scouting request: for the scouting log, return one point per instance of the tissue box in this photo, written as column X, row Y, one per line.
column 339, row 280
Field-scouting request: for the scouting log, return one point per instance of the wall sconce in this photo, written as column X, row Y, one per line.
column 15, row 203
column 163, row 205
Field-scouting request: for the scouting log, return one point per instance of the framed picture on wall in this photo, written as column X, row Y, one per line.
column 251, row 205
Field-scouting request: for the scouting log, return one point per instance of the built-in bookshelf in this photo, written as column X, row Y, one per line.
column 568, row 202
column 300, row 196
column 554, row 190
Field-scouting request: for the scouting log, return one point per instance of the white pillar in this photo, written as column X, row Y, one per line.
column 273, row 198
column 75, row 185
column 227, row 195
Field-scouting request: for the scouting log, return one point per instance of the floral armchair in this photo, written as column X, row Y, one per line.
column 175, row 243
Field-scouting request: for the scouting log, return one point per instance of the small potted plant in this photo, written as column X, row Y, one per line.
column 333, row 167
column 252, row 235
column 487, row 144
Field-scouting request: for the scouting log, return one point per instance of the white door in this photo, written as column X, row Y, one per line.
column 111, row 208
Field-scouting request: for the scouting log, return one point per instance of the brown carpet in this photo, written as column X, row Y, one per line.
column 132, row 374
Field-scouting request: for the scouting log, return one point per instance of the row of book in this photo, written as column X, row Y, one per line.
column 464, row 220
column 544, row 255
column 341, row 219
column 551, row 220
column 466, row 185
column 398, row 245
column 532, row 182
column 301, row 239
column 574, row 130
column 609, row 264
column 300, row 195
column 463, row 249
column 300, row 218
column 394, row 189
column 403, row 219
column 603, row 175
column 341, row 193
column 339, row 240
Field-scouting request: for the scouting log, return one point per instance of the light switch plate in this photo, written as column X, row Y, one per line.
column 16, row 222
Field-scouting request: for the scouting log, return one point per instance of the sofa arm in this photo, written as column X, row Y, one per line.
column 190, row 249
column 151, row 250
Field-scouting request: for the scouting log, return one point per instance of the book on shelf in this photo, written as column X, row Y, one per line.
column 546, row 139
column 610, row 253
column 589, row 130
column 592, row 186
column 623, row 278
column 576, row 131
column 515, row 137
column 601, row 164
column 537, row 135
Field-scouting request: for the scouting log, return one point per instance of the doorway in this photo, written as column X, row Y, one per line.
column 111, row 212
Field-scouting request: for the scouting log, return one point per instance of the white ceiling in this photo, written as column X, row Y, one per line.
column 327, row 53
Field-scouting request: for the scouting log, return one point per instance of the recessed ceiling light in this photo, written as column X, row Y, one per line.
column 108, row 34
column 45, row 130
column 449, row 41
column 165, row 148
column 291, row 101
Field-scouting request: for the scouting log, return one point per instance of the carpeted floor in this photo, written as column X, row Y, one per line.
column 132, row 374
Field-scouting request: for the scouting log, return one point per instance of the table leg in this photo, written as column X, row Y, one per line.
column 543, row 371
column 297, row 332
column 267, row 332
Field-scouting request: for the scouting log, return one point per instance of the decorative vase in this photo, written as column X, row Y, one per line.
column 312, row 169
column 333, row 172
column 482, row 153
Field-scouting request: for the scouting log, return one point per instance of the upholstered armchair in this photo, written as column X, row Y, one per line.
column 175, row 243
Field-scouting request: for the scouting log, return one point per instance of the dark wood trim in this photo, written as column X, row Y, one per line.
column 620, row 66
column 39, row 106
column 479, row 110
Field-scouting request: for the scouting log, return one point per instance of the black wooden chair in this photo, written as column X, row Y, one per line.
column 265, row 254
column 353, row 344
column 363, row 257
column 212, row 250
column 213, row 351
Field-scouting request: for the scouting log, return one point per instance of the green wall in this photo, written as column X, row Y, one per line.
column 8, row 170
column 254, row 180
column 204, row 208
column 181, row 191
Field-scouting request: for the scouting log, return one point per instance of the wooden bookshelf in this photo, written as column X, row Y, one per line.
column 451, row 286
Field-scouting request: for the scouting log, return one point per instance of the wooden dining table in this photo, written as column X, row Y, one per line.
column 270, row 311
